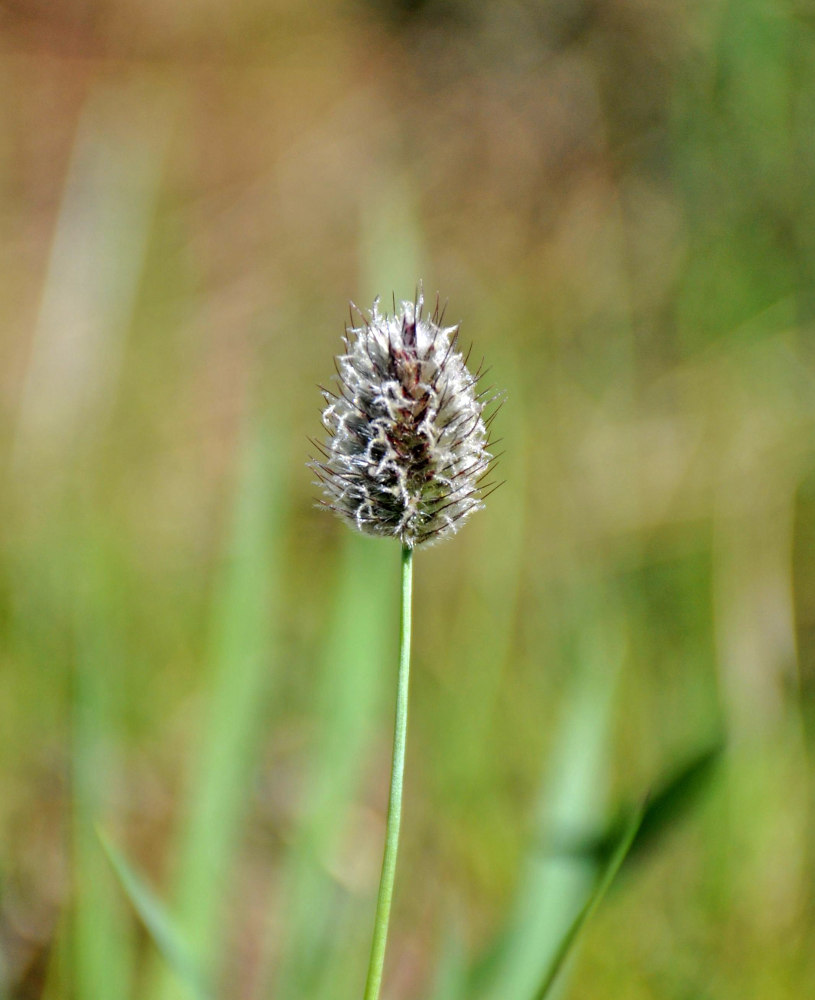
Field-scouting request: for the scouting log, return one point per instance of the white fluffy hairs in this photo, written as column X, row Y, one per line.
column 406, row 453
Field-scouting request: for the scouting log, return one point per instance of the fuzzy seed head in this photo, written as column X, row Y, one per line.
column 406, row 452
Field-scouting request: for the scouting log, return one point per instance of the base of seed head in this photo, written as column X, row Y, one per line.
column 407, row 448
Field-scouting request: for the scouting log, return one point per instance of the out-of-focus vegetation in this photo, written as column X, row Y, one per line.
column 619, row 201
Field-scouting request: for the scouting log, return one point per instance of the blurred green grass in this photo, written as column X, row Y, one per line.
column 617, row 201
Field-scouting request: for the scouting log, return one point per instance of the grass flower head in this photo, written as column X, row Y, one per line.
column 407, row 448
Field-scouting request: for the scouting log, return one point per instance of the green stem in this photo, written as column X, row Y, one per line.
column 383, row 901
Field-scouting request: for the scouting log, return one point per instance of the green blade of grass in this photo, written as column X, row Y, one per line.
column 553, row 889
column 237, row 691
column 161, row 927
column 102, row 947
column 637, row 833
column 665, row 806
column 607, row 876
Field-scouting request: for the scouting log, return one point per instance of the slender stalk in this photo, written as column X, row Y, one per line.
column 383, row 901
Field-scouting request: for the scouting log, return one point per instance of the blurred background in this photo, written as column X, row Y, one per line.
column 618, row 200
